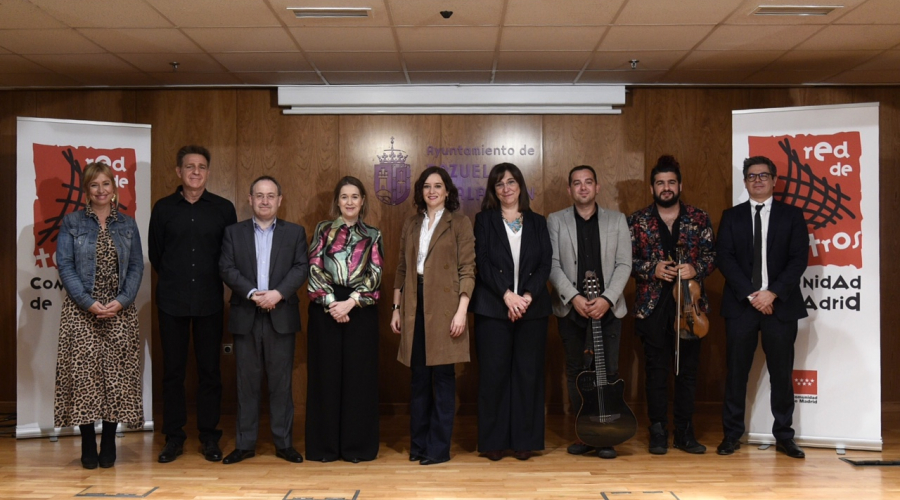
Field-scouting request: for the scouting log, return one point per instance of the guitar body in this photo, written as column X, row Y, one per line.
column 611, row 426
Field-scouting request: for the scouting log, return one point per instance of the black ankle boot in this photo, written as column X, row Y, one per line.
column 88, row 446
column 107, row 456
column 659, row 439
column 684, row 440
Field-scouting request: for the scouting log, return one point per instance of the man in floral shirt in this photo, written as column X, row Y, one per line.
column 657, row 234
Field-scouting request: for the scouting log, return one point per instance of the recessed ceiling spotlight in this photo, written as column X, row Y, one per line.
column 330, row 12
column 795, row 10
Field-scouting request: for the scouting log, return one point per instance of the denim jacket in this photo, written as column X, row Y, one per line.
column 76, row 256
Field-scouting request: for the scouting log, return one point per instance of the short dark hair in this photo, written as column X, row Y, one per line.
column 452, row 203
column 666, row 163
column 191, row 150
column 760, row 160
column 582, row 167
column 265, row 178
column 348, row 180
column 490, row 201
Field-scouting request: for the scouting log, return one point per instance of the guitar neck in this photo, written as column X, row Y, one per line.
column 599, row 354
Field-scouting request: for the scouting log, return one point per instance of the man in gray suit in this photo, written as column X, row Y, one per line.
column 586, row 237
column 264, row 262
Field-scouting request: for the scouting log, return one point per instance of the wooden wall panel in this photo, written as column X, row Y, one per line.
column 248, row 136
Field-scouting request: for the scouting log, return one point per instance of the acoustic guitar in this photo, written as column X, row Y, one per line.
column 604, row 418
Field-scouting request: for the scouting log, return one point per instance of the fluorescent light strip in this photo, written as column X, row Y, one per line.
column 795, row 10
column 329, row 12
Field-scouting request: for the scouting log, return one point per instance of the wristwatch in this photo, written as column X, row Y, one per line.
column 394, row 307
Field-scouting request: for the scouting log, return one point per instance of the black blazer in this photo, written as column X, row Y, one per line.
column 494, row 265
column 787, row 256
column 288, row 267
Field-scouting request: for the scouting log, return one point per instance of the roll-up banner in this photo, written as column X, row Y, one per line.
column 828, row 161
column 50, row 157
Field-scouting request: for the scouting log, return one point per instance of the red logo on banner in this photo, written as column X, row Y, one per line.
column 806, row 382
column 57, row 172
column 820, row 174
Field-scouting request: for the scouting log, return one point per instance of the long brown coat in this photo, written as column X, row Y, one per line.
column 449, row 273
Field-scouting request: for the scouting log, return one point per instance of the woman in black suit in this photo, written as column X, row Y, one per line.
column 511, row 306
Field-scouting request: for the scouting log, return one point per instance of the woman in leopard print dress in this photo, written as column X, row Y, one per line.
column 98, row 368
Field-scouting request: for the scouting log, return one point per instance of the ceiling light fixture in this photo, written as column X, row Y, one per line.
column 795, row 10
column 329, row 12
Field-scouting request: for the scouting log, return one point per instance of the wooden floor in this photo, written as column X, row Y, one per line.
column 41, row 469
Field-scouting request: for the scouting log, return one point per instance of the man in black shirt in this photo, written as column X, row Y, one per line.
column 186, row 230
column 587, row 237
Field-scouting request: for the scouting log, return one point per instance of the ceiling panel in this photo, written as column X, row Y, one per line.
column 265, row 61
column 889, row 59
column 743, row 14
column 551, row 38
column 452, row 77
column 878, row 37
column 379, row 15
column 653, row 37
column 781, row 77
column 364, row 78
column 507, row 61
column 242, row 39
column 104, row 13
column 831, row 60
column 647, row 60
column 280, row 78
column 180, row 79
column 728, row 59
column 355, row 61
column 141, row 40
column 187, row 63
column 874, row 12
column 624, row 76
column 115, row 79
column 18, row 64
column 535, row 76
column 23, row 15
column 452, row 38
column 778, row 37
column 56, row 41
column 676, row 12
column 315, row 39
column 886, row 76
column 215, row 13
column 448, row 61
column 567, row 13
column 427, row 13
column 704, row 77
column 83, row 63
column 36, row 80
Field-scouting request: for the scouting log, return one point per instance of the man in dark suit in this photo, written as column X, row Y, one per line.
column 264, row 262
column 763, row 251
column 587, row 237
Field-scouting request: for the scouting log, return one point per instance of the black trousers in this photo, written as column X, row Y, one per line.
column 742, row 337
column 175, row 333
column 657, row 333
column 264, row 350
column 342, row 385
column 510, row 383
column 432, row 404
column 573, row 337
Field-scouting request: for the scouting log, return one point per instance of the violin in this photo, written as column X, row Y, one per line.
column 690, row 322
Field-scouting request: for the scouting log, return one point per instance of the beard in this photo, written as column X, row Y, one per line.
column 666, row 203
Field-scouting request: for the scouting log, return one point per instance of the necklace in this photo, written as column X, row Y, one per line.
column 515, row 225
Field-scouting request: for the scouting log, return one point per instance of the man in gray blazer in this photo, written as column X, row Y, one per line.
column 264, row 262
column 586, row 237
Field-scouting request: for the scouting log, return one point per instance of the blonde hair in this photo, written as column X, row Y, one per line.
column 94, row 170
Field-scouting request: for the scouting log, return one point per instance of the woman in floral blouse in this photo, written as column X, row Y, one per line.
column 345, row 263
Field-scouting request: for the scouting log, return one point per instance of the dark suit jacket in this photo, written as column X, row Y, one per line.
column 787, row 255
column 288, row 268
column 494, row 265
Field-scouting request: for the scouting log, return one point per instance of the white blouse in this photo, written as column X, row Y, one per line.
column 515, row 244
column 425, row 239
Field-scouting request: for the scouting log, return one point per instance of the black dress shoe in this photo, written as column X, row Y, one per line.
column 579, row 448
column 170, row 452
column 493, row 455
column 289, row 454
column 522, row 454
column 607, row 452
column 789, row 448
column 429, row 461
column 727, row 447
column 211, row 451
column 237, row 455
column 415, row 458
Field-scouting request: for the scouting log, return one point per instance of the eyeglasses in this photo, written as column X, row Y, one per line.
column 763, row 177
column 509, row 184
